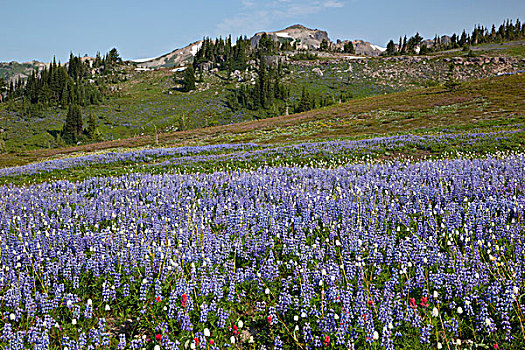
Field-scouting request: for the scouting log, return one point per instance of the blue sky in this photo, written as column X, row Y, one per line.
column 41, row 29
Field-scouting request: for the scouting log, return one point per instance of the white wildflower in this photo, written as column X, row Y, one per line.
column 435, row 312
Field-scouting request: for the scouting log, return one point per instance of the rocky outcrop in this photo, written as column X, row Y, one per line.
column 363, row 48
column 480, row 60
column 302, row 37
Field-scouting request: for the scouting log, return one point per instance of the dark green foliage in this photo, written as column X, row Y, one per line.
column 507, row 31
column 413, row 43
column 404, row 46
column 72, row 129
column 92, row 128
column 57, row 86
column 390, row 48
column 189, row 79
column 306, row 103
column 114, row 56
column 267, row 94
column 76, row 69
column 223, row 54
column 324, row 46
column 3, row 85
column 349, row 47
column 267, row 46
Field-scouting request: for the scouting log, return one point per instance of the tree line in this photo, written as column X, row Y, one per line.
column 59, row 85
column 223, row 54
column 506, row 31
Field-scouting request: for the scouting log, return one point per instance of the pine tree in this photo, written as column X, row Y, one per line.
column 189, row 79
column 349, row 48
column 73, row 125
column 3, row 85
column 391, row 48
column 324, row 46
column 305, row 103
column 114, row 57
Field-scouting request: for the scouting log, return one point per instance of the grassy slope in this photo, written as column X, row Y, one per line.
column 484, row 103
column 148, row 101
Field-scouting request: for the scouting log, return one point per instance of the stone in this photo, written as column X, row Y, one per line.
column 318, row 72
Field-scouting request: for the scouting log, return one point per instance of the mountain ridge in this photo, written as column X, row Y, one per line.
column 305, row 38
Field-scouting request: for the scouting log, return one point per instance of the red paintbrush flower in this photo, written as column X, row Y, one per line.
column 413, row 303
column 424, row 302
column 326, row 340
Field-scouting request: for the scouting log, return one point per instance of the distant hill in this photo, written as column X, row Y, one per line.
column 362, row 47
column 304, row 39
column 13, row 71
column 178, row 57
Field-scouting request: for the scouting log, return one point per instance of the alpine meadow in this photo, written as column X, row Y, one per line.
column 264, row 190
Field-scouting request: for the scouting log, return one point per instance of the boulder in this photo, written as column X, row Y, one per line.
column 318, row 71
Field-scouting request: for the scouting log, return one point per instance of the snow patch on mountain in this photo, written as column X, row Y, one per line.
column 195, row 48
column 379, row 48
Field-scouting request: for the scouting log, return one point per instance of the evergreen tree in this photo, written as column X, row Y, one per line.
column 413, row 43
column 114, row 56
column 92, row 128
column 189, row 79
column 324, row 46
column 305, row 103
column 423, row 50
column 349, row 48
column 73, row 125
column 404, row 47
column 3, row 85
column 391, row 48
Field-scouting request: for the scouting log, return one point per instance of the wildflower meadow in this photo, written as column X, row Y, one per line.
column 397, row 254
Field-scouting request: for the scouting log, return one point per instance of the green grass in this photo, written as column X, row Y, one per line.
column 146, row 102
column 476, row 105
